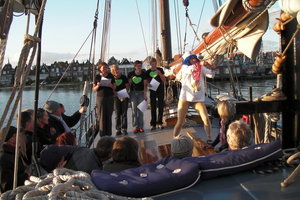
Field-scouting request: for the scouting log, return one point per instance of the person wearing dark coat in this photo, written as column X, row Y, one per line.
column 7, row 162
column 77, row 158
column 157, row 96
column 58, row 121
column 43, row 130
column 104, row 85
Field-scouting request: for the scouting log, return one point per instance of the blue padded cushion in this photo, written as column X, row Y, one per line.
column 165, row 175
column 230, row 162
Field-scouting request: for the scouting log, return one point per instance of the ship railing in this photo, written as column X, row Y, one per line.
column 212, row 91
column 86, row 130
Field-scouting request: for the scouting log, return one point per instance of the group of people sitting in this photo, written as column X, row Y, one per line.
column 53, row 127
column 238, row 136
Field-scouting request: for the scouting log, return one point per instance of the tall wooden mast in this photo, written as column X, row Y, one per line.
column 290, row 87
column 165, row 31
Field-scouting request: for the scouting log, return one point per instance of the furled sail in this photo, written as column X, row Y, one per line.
column 244, row 36
column 239, row 25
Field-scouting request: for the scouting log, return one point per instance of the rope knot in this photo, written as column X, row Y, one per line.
column 31, row 38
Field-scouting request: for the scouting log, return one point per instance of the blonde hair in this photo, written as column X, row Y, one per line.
column 239, row 135
column 113, row 68
column 226, row 109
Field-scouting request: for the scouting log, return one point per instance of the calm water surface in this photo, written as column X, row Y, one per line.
column 68, row 95
column 259, row 87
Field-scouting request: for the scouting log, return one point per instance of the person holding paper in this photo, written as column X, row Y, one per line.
column 155, row 75
column 193, row 91
column 104, row 85
column 121, row 101
column 138, row 93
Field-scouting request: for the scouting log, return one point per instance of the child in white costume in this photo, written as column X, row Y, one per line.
column 192, row 79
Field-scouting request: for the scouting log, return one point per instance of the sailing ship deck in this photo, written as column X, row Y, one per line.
column 163, row 136
column 246, row 185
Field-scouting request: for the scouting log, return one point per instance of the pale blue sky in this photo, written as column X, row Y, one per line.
column 68, row 22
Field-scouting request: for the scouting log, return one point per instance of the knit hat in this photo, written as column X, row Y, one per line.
column 182, row 146
column 51, row 155
column 51, row 106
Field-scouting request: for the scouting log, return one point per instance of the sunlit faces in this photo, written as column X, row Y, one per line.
column 103, row 69
column 138, row 67
column 153, row 63
column 115, row 70
column 193, row 60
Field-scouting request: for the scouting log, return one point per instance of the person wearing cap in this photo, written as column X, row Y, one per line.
column 77, row 158
column 58, row 122
column 182, row 146
column 193, row 91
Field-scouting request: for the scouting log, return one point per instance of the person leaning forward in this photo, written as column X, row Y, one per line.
column 58, row 122
column 77, row 158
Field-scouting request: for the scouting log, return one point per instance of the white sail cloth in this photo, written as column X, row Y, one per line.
column 291, row 7
column 245, row 36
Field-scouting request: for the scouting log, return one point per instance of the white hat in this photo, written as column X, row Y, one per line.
column 186, row 54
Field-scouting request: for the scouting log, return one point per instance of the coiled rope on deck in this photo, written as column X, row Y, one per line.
column 61, row 184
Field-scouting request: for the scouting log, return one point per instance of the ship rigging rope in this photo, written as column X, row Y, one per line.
column 177, row 25
column 8, row 18
column 185, row 34
column 140, row 20
column 291, row 40
column 191, row 24
column 198, row 25
column 3, row 43
column 62, row 76
column 22, row 72
column 270, row 4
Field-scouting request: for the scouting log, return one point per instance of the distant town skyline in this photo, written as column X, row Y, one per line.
column 67, row 24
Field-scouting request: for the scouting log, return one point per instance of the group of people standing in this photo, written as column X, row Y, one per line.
column 109, row 85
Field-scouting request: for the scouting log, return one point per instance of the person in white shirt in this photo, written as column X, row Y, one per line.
column 193, row 91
